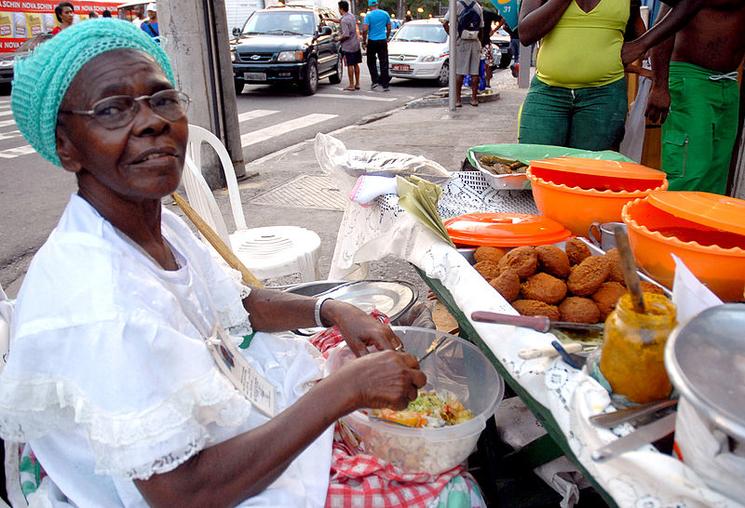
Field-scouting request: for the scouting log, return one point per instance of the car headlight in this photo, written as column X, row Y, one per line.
column 429, row 58
column 232, row 55
column 291, row 56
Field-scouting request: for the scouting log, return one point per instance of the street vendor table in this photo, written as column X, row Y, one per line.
column 560, row 397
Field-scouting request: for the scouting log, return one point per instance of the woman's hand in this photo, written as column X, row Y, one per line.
column 358, row 328
column 631, row 52
column 386, row 379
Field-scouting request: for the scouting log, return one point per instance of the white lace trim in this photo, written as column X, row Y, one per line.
column 135, row 445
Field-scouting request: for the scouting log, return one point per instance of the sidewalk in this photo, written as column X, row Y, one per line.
column 290, row 188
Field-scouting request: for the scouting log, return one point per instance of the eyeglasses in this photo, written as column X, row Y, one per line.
column 118, row 111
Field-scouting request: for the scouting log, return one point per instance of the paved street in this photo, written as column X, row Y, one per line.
column 33, row 193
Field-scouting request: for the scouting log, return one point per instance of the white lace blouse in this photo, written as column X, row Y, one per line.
column 109, row 381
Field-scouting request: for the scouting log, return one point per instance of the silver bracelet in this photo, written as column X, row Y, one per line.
column 317, row 312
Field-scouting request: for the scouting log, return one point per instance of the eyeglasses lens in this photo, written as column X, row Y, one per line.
column 116, row 112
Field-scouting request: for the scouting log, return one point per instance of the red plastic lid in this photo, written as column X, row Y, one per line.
column 505, row 230
column 712, row 210
column 595, row 167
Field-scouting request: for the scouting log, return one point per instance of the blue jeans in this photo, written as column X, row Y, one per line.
column 515, row 50
column 591, row 118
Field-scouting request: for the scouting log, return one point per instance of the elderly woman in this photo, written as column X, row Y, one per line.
column 120, row 370
column 578, row 97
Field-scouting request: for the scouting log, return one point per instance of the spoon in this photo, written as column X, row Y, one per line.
column 630, row 274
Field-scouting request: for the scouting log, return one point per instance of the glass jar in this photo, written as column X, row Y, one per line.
column 633, row 356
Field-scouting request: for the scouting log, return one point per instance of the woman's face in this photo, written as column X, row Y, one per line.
column 67, row 15
column 139, row 161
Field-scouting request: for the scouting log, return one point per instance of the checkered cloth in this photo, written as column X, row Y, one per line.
column 360, row 480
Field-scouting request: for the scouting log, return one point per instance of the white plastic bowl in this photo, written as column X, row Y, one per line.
column 458, row 367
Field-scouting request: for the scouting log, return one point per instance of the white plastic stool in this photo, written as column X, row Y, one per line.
column 278, row 250
column 268, row 251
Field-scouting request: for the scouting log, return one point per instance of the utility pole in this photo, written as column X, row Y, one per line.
column 196, row 39
column 453, row 25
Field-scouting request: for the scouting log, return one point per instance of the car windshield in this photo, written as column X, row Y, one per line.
column 421, row 33
column 280, row 23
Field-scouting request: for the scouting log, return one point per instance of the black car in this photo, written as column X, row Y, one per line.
column 287, row 45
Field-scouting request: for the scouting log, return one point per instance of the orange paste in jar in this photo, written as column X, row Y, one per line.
column 633, row 355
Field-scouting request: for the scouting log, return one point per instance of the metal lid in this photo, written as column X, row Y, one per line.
column 706, row 363
column 505, row 230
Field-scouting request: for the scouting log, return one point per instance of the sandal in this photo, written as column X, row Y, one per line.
column 474, row 103
column 458, row 104
column 349, row 89
column 357, row 87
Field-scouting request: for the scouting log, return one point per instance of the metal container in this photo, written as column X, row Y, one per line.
column 706, row 363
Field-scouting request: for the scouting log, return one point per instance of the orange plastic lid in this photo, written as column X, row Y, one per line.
column 505, row 230
column 712, row 210
column 594, row 167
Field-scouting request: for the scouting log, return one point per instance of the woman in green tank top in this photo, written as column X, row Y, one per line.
column 578, row 96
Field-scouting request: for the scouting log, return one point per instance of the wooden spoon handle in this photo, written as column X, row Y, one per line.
column 630, row 275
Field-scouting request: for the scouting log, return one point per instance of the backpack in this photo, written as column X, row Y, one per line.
column 469, row 21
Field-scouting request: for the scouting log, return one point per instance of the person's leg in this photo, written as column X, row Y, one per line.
column 598, row 117
column 726, row 112
column 544, row 119
column 372, row 64
column 474, row 90
column 385, row 73
column 458, row 87
column 357, row 76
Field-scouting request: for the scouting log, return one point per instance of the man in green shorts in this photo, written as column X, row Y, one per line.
column 695, row 79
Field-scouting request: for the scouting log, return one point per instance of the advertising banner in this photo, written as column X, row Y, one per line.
column 509, row 10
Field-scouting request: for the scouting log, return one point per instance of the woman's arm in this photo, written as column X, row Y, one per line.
column 274, row 311
column 538, row 18
column 237, row 469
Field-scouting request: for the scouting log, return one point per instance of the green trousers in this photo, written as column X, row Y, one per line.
column 699, row 133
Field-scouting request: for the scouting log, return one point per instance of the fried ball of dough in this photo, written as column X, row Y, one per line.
column 544, row 288
column 487, row 269
column 587, row 277
column 577, row 251
column 523, row 260
column 507, row 284
column 553, row 260
column 492, row 254
column 648, row 287
column 616, row 272
column 607, row 297
column 579, row 310
column 536, row 308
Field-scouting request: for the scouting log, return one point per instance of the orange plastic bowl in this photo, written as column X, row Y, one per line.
column 577, row 208
column 722, row 269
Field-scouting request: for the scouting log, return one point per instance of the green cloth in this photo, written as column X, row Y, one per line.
column 591, row 118
column 420, row 197
column 41, row 79
column 700, row 132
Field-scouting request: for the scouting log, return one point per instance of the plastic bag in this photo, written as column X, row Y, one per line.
column 636, row 124
column 333, row 156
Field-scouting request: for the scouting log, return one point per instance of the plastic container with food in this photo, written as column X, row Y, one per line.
column 706, row 231
column 706, row 363
column 577, row 192
column 457, row 368
column 503, row 165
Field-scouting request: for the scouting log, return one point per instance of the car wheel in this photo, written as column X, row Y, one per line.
column 310, row 84
column 504, row 62
column 239, row 84
column 335, row 78
column 444, row 76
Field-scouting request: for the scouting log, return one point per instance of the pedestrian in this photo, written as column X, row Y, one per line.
column 106, row 13
column 350, row 46
column 92, row 15
column 65, row 13
column 139, row 15
column 514, row 49
column 492, row 22
column 695, row 95
column 375, row 33
column 470, row 19
column 150, row 26
column 578, row 97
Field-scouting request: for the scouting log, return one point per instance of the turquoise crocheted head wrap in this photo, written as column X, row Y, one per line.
column 42, row 78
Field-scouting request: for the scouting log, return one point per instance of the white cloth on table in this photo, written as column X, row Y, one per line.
column 109, row 381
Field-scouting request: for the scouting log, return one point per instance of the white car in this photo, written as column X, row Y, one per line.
column 419, row 50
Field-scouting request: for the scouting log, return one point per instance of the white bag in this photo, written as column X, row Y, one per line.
column 632, row 145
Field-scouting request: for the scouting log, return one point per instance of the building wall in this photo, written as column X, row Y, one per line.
column 239, row 10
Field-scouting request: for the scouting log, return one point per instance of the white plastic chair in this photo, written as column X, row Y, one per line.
column 268, row 251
